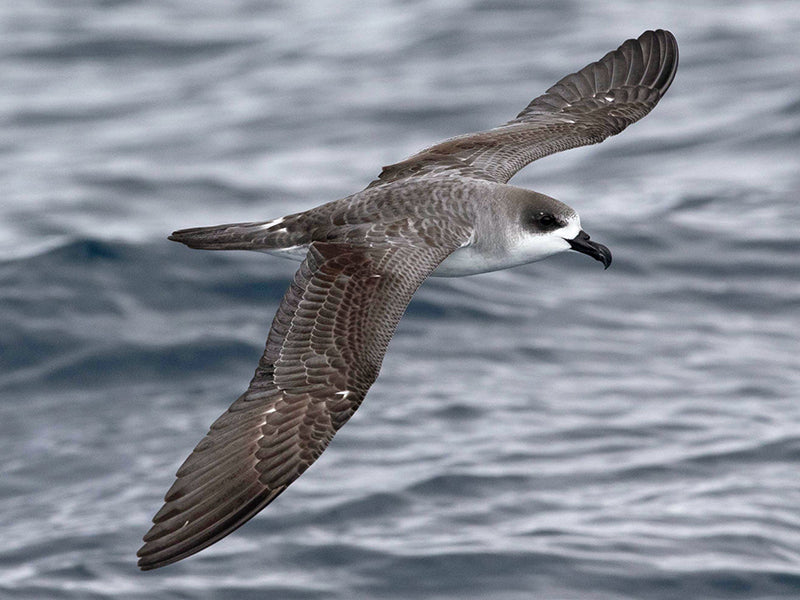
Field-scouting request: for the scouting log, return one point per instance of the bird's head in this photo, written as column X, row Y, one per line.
column 547, row 226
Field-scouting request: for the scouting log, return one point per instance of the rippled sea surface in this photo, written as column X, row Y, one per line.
column 551, row 431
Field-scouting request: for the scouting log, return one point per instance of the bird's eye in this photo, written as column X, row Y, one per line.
column 546, row 220
column 543, row 221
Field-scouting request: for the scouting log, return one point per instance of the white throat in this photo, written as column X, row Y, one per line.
column 530, row 248
column 520, row 248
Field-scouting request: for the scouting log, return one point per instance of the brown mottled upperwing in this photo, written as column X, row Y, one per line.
column 583, row 108
column 323, row 353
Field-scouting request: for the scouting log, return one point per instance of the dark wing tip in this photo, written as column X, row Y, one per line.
column 660, row 50
column 165, row 546
column 647, row 63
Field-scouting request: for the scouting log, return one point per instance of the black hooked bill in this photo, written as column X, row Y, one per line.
column 582, row 244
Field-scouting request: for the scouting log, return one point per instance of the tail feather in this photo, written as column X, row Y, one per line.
column 236, row 236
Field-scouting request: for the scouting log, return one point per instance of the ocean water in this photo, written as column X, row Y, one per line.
column 551, row 431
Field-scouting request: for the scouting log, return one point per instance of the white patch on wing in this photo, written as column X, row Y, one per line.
column 269, row 411
column 272, row 223
column 290, row 252
column 469, row 241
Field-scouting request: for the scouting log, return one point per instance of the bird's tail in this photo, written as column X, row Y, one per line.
column 261, row 236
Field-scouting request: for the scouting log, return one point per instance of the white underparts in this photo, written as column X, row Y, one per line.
column 519, row 249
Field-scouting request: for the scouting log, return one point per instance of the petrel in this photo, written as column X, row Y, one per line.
column 445, row 211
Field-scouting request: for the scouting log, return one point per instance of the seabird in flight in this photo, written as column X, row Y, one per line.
column 445, row 211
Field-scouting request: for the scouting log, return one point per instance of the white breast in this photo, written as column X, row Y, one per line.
column 473, row 259
column 469, row 261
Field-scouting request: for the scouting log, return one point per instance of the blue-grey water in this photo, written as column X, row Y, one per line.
column 551, row 431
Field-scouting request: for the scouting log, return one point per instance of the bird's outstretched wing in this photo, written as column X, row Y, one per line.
column 323, row 352
column 583, row 108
